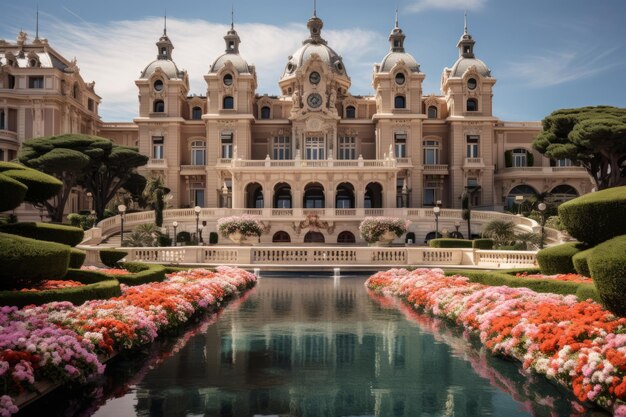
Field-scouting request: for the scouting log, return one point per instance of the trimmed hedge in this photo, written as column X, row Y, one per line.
column 484, row 244
column 98, row 286
column 59, row 233
column 558, row 259
column 110, row 257
column 450, row 243
column 581, row 262
column 596, row 217
column 141, row 273
column 608, row 267
column 77, row 258
column 41, row 186
column 12, row 191
column 23, row 259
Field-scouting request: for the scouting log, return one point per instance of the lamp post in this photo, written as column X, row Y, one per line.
column 542, row 210
column 200, row 241
column 122, row 210
column 93, row 216
column 197, row 210
column 436, row 211
column 175, row 224
column 519, row 200
column 457, row 225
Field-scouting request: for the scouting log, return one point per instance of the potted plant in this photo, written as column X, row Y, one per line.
column 382, row 230
column 239, row 228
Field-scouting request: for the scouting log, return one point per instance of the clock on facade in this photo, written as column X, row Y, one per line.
column 315, row 78
column 314, row 100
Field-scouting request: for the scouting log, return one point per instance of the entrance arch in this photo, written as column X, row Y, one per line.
column 373, row 196
column 282, row 195
column 254, row 196
column 346, row 237
column 562, row 193
column 344, row 196
column 524, row 190
column 281, row 237
column 314, row 237
column 313, row 196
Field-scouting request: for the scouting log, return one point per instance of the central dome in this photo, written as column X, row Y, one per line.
column 315, row 45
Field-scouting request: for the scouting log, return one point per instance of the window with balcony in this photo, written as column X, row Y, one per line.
column 198, row 152
column 228, row 103
column 350, row 112
column 400, row 102
column 399, row 145
column 196, row 113
column 347, row 148
column 519, row 158
column 431, row 152
column 196, row 197
column 159, row 106
column 432, row 112
column 265, row 112
column 281, row 148
column 157, row 147
column 430, row 196
column 472, row 104
column 227, row 145
column 35, row 82
column 315, row 148
column 564, row 163
column 472, row 146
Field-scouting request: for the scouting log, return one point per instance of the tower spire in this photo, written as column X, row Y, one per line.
column 37, row 24
column 232, row 17
column 397, row 25
column 465, row 19
column 165, row 23
column 315, row 8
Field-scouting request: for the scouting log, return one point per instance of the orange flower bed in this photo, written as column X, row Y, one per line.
column 52, row 284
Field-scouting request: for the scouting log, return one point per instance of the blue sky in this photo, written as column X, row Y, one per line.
column 545, row 54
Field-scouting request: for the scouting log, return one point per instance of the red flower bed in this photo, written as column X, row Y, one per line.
column 54, row 285
column 559, row 277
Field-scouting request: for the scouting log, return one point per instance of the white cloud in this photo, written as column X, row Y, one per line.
column 114, row 54
column 421, row 5
column 554, row 68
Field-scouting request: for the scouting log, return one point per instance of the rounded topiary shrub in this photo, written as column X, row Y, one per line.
column 26, row 260
column 59, row 233
column 581, row 262
column 110, row 257
column 558, row 259
column 485, row 244
column 596, row 217
column 77, row 258
column 183, row 237
column 608, row 267
column 12, row 191
column 449, row 243
column 41, row 186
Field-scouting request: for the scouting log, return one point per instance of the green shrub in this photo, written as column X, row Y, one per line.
column 581, row 262
column 77, row 258
column 558, row 259
column 41, row 186
column 25, row 260
column 607, row 264
column 59, row 233
column 8, row 166
column 97, row 286
column 596, row 217
column 485, row 244
column 183, row 237
column 83, row 220
column 110, row 257
column 213, row 236
column 450, row 243
column 164, row 240
column 12, row 192
column 141, row 273
column 587, row 291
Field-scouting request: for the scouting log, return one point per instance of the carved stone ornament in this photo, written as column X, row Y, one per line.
column 314, row 224
column 314, row 124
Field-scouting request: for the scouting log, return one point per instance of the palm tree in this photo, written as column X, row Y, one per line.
column 530, row 240
column 501, row 231
column 154, row 196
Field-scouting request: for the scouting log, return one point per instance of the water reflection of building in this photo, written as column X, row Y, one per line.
column 298, row 348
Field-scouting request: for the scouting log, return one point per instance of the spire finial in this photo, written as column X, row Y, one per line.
column 37, row 24
column 315, row 8
column 232, row 17
column 165, row 23
column 397, row 17
column 465, row 29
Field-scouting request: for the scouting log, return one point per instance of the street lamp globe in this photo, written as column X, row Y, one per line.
column 541, row 207
column 121, row 208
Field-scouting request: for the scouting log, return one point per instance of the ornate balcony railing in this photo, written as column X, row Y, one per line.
column 314, row 164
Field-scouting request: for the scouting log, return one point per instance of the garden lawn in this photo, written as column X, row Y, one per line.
column 578, row 344
column 60, row 342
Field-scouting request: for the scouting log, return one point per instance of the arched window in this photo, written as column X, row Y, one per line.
column 346, row 237
column 523, row 190
column 254, row 196
column 159, row 106
column 196, row 113
column 432, row 112
column 344, row 196
column 314, row 237
column 265, row 112
column 281, row 237
column 228, row 79
column 198, row 152
column 282, row 196
column 229, row 103
column 400, row 102
column 472, row 104
column 313, row 196
column 350, row 112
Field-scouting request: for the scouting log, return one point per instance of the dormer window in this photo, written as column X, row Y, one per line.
column 472, row 104
column 432, row 112
column 350, row 112
column 228, row 103
column 228, row 79
column 265, row 112
column 471, row 83
column 400, row 102
column 159, row 106
column 196, row 113
column 33, row 62
column 400, row 78
column 158, row 85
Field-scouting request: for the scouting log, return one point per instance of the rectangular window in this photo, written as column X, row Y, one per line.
column 431, row 152
column 315, row 148
column 2, row 120
column 347, row 148
column 399, row 148
column 35, row 82
column 197, row 156
column 157, row 147
column 227, row 145
column 90, row 103
column 472, row 146
column 197, row 197
column 519, row 159
column 281, row 148
column 564, row 163
column 11, row 81
column 430, row 196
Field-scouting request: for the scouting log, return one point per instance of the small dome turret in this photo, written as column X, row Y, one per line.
column 164, row 58
column 467, row 58
column 231, row 54
column 397, row 52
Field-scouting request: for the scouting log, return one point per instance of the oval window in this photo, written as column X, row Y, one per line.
column 471, row 83
column 158, row 85
column 400, row 78
column 228, row 79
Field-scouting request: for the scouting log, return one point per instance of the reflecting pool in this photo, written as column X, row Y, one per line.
column 319, row 346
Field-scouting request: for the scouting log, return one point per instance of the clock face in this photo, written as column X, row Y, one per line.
column 315, row 78
column 314, row 100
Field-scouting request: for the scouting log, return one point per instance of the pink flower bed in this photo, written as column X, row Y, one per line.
column 577, row 344
column 61, row 342
column 107, row 271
